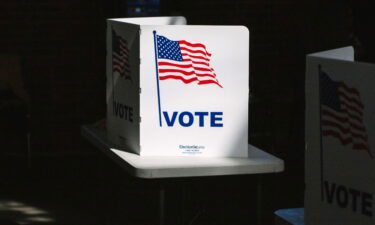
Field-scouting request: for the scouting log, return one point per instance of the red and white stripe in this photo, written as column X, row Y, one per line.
column 120, row 60
column 195, row 66
column 346, row 125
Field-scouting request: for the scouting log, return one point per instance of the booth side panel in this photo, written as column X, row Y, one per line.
column 123, row 85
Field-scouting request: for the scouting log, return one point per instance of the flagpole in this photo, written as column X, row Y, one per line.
column 321, row 141
column 157, row 76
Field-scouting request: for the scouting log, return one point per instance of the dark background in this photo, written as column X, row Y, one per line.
column 60, row 51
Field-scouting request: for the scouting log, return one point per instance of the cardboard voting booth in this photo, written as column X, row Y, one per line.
column 340, row 143
column 177, row 90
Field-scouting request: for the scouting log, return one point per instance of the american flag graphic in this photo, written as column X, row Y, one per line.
column 342, row 113
column 184, row 61
column 120, row 56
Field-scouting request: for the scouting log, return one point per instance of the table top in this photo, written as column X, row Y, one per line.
column 293, row 216
column 183, row 166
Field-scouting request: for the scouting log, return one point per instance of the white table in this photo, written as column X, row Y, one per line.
column 152, row 167
column 184, row 166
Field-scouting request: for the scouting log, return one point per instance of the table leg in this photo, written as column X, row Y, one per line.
column 28, row 150
column 183, row 203
column 161, row 205
column 172, row 200
column 259, row 201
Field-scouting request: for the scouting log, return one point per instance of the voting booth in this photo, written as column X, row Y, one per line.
column 340, row 143
column 177, row 90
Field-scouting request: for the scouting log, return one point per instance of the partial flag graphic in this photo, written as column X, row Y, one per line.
column 184, row 61
column 120, row 56
column 342, row 113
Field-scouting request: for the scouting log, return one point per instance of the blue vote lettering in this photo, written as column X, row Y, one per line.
column 169, row 121
column 187, row 119
column 215, row 117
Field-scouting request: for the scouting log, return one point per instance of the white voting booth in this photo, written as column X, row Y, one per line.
column 340, row 143
column 177, row 90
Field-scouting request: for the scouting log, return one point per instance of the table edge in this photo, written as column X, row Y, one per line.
column 152, row 173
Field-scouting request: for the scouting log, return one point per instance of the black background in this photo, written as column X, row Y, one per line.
column 61, row 47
